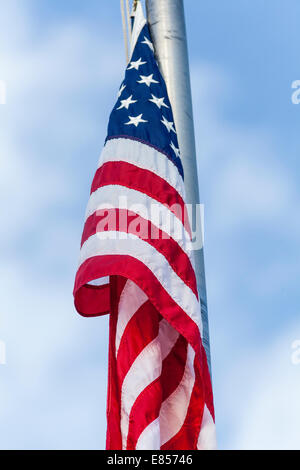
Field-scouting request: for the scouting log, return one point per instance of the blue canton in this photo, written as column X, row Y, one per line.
column 143, row 110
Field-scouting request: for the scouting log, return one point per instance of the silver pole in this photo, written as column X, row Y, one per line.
column 167, row 26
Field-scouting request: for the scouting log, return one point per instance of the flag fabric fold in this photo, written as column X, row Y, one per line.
column 136, row 263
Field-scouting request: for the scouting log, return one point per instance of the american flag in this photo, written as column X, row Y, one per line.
column 136, row 263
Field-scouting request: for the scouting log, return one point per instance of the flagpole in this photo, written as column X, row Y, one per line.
column 167, row 26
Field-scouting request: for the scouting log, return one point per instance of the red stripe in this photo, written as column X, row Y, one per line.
column 187, row 436
column 173, row 367
column 129, row 222
column 131, row 268
column 147, row 405
column 140, row 331
column 113, row 436
column 145, row 409
column 87, row 296
column 145, row 181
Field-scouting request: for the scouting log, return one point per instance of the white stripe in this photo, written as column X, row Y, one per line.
column 174, row 408
column 150, row 438
column 145, row 157
column 102, row 281
column 139, row 23
column 167, row 338
column 149, row 256
column 120, row 197
column 145, row 369
column 131, row 299
column 133, row 386
column 207, row 437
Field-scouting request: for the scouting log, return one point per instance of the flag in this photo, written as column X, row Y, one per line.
column 136, row 263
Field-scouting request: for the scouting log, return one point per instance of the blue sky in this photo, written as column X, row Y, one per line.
column 63, row 63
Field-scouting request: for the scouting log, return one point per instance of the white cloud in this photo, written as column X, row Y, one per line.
column 53, row 392
column 248, row 180
column 248, row 189
column 46, row 126
column 262, row 390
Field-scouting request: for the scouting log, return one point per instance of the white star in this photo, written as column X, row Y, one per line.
column 135, row 120
column 126, row 103
column 169, row 125
column 175, row 150
column 147, row 80
column 121, row 90
column 158, row 101
column 149, row 43
column 136, row 65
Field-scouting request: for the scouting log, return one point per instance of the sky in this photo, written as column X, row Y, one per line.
column 62, row 63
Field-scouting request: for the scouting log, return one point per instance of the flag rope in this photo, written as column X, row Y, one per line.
column 128, row 20
column 124, row 30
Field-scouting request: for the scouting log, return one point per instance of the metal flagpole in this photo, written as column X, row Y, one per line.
column 167, row 26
